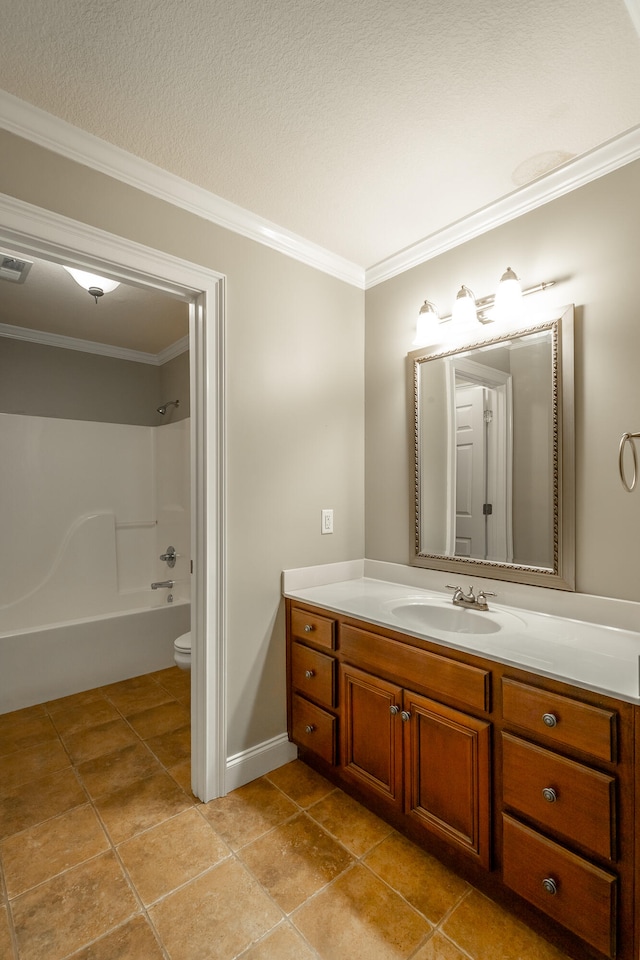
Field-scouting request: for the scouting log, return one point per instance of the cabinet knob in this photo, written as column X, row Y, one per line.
column 394, row 708
column 549, row 794
column 550, row 885
column 309, row 673
column 309, row 728
column 549, row 719
column 405, row 715
column 308, row 628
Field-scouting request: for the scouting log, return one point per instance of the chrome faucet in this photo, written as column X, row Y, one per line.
column 163, row 583
column 470, row 600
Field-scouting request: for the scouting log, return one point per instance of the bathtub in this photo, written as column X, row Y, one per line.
column 87, row 510
column 44, row 663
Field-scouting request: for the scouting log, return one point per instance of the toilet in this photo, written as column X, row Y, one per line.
column 182, row 651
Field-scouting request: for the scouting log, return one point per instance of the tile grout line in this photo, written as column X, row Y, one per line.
column 9, row 914
column 72, row 767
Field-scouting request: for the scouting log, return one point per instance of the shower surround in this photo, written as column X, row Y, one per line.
column 87, row 509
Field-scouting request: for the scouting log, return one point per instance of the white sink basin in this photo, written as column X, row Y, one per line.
column 425, row 615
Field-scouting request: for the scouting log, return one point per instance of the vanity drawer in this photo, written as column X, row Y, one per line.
column 418, row 669
column 577, row 802
column 314, row 728
column 313, row 674
column 577, row 894
column 560, row 719
column 312, row 628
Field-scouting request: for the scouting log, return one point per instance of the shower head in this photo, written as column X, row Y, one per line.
column 162, row 409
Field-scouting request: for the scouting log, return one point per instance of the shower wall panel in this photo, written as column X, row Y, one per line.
column 82, row 508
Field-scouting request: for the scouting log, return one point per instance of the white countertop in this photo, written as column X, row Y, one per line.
column 600, row 658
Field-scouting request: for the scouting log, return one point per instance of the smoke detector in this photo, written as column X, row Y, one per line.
column 14, row 269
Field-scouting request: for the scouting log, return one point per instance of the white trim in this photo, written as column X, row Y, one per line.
column 12, row 332
column 263, row 758
column 37, row 126
column 38, row 232
column 596, row 163
column 633, row 6
column 31, row 123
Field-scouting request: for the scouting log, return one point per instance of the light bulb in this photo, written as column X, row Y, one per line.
column 426, row 324
column 508, row 303
column 464, row 307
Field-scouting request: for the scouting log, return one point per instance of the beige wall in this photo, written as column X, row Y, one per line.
column 44, row 381
column 295, row 413
column 589, row 242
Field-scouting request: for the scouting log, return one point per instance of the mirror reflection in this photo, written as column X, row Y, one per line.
column 488, row 480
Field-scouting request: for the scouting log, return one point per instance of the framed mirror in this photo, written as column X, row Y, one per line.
column 493, row 456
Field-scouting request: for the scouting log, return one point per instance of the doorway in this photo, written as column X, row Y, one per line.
column 480, row 445
column 32, row 231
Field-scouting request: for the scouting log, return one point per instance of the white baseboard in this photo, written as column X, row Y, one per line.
column 255, row 762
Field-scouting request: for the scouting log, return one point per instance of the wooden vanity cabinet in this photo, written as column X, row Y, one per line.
column 525, row 784
column 420, row 757
column 567, row 793
column 447, row 760
column 396, row 731
column 312, row 682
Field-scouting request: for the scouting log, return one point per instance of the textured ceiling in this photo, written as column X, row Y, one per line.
column 361, row 125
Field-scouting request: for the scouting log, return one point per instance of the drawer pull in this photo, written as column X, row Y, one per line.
column 308, row 628
column 549, row 719
column 309, row 728
column 393, row 709
column 405, row 716
column 309, row 674
column 550, row 885
column 549, row 794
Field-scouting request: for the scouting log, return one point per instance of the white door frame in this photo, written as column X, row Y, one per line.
column 31, row 230
column 502, row 454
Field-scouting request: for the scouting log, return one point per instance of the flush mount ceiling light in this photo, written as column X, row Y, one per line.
column 94, row 285
column 505, row 304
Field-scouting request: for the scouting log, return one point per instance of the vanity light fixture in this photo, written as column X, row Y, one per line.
column 94, row 285
column 464, row 307
column 427, row 318
column 467, row 310
column 508, row 301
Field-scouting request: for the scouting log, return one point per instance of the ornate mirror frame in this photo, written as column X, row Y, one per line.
column 561, row 574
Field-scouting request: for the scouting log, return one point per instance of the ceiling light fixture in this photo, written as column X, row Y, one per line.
column 94, row 285
column 505, row 304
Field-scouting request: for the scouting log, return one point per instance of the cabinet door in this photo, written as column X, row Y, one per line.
column 447, row 774
column 372, row 733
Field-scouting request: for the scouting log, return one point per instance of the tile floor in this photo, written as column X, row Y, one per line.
column 106, row 855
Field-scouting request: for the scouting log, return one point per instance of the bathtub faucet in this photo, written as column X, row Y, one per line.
column 163, row 583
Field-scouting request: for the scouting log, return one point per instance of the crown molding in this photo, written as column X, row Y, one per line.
column 590, row 166
column 90, row 346
column 36, row 125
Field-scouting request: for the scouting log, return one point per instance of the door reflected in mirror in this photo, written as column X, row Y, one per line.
column 493, row 456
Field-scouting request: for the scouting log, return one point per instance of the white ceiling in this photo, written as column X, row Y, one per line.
column 50, row 302
column 362, row 126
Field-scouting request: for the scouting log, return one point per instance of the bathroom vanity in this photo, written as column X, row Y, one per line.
column 503, row 742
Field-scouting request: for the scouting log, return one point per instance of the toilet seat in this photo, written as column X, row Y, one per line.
column 182, row 651
column 183, row 643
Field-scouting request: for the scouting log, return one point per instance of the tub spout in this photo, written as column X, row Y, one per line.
column 163, row 583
